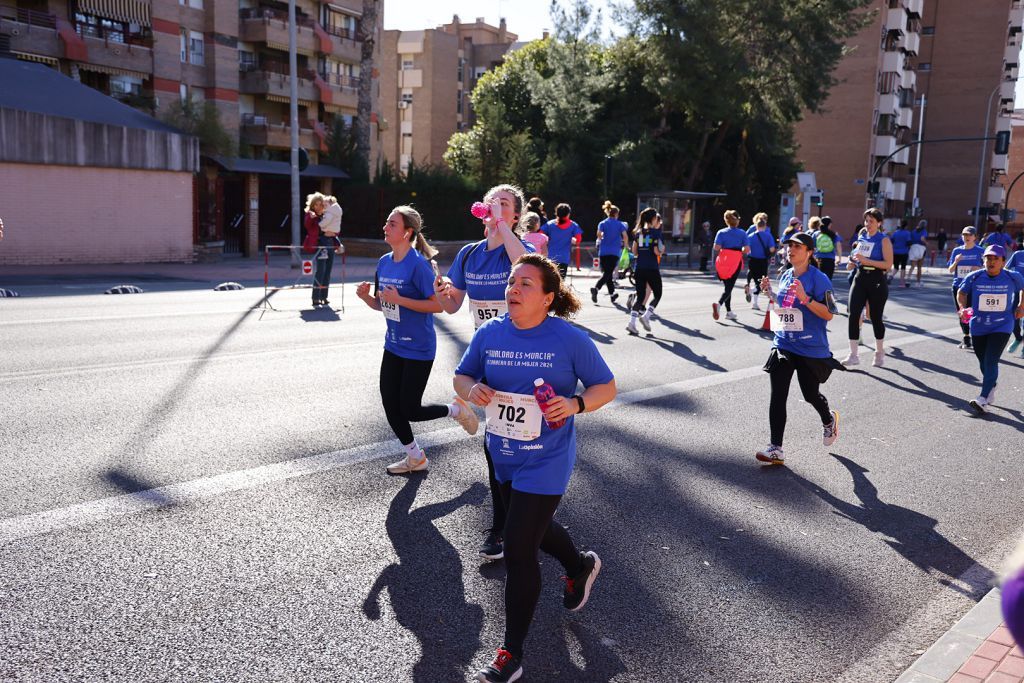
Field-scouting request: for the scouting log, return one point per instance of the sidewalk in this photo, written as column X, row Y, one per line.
column 978, row 649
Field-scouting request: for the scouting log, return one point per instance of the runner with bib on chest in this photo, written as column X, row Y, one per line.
column 872, row 258
column 404, row 293
column 962, row 262
column 480, row 271
column 533, row 444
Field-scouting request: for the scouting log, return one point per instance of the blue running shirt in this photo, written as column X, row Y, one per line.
column 614, row 230
column 812, row 341
column 560, row 240
column 992, row 299
column 970, row 262
column 409, row 334
column 482, row 274
column 731, row 238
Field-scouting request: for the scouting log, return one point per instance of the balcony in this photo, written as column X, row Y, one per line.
column 1003, row 123
column 996, row 194
column 884, row 145
column 885, row 186
column 344, row 90
column 902, row 156
column 999, row 162
column 892, row 62
column 896, row 20
column 899, row 191
column 909, row 80
column 905, row 117
column 345, row 45
column 270, row 27
column 910, row 43
column 123, row 56
column 1006, row 90
column 31, row 32
column 914, row 7
column 262, row 132
column 1012, row 54
column 271, row 78
column 1017, row 16
column 888, row 103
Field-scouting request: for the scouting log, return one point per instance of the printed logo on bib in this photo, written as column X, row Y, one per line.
column 787, row 320
column 513, row 416
column 391, row 311
column 483, row 311
column 992, row 303
column 964, row 271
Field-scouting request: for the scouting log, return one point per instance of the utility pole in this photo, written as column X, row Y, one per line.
column 981, row 169
column 917, row 162
column 293, row 117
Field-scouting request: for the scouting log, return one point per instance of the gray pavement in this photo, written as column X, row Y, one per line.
column 195, row 491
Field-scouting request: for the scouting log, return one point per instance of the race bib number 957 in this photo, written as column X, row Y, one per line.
column 486, row 310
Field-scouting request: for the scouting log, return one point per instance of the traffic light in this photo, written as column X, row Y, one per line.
column 1003, row 142
column 818, row 199
column 873, row 187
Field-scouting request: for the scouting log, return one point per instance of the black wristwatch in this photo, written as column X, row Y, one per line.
column 580, row 403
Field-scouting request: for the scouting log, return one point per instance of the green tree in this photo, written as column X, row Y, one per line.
column 342, row 150
column 202, row 120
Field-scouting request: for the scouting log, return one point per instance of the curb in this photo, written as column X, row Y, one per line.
column 948, row 654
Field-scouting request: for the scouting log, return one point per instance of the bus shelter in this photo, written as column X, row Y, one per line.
column 680, row 213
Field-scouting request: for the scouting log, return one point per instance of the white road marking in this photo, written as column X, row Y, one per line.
column 80, row 514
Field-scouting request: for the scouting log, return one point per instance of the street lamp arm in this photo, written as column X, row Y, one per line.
column 882, row 163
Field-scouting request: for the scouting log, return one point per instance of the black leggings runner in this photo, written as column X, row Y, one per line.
column 727, row 294
column 827, row 266
column 757, row 268
column 644, row 277
column 530, row 527
column 869, row 286
column 402, row 382
column 964, row 327
column 781, row 376
column 608, row 264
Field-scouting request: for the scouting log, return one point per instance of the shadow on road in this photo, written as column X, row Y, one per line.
column 425, row 586
column 323, row 314
column 910, row 533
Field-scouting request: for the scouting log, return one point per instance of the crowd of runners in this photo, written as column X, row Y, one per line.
column 526, row 364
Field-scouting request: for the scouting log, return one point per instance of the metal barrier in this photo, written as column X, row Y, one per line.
column 307, row 269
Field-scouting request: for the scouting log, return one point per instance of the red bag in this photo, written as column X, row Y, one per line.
column 728, row 263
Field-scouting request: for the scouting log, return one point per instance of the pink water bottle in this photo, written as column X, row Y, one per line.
column 966, row 314
column 789, row 298
column 544, row 392
column 480, row 210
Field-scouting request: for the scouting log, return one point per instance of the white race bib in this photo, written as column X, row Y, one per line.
column 992, row 303
column 787, row 320
column 865, row 249
column 483, row 311
column 391, row 311
column 964, row 271
column 513, row 416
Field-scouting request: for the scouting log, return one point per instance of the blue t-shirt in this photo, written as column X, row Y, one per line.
column 508, row 359
column 1016, row 262
column 760, row 243
column 919, row 236
column 560, row 240
column 812, row 342
column 972, row 258
column 821, row 239
column 901, row 240
column 412, row 336
column 998, row 238
column 646, row 241
column 612, row 242
column 481, row 273
column 731, row 238
column 994, row 293
column 876, row 245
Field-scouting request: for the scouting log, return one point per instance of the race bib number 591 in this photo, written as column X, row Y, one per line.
column 992, row 303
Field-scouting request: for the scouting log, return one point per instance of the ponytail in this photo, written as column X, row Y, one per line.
column 424, row 247
column 412, row 219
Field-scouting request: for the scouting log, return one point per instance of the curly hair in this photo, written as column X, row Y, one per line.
column 565, row 304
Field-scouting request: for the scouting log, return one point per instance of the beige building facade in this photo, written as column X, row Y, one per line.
column 426, row 79
column 950, row 62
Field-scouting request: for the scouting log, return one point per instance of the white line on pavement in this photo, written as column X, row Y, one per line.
column 80, row 514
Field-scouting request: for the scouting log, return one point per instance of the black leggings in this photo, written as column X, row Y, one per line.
column 497, row 507
column 827, row 266
column 964, row 327
column 899, row 262
column 644, row 277
column 563, row 269
column 869, row 286
column 757, row 268
column 402, row 382
column 727, row 294
column 781, row 377
column 530, row 526
column 608, row 264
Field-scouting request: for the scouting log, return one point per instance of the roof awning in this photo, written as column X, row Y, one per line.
column 262, row 166
column 270, row 97
column 113, row 71
column 42, row 59
column 284, row 48
column 128, row 11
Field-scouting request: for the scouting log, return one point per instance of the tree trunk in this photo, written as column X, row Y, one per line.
column 368, row 35
column 702, row 162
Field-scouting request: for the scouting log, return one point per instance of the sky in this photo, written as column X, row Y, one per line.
column 525, row 18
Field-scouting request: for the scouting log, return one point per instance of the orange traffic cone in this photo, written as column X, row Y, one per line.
column 767, row 324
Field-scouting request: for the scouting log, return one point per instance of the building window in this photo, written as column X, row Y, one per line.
column 246, row 60
column 458, row 102
column 462, row 68
column 407, row 97
column 341, row 24
column 183, row 92
column 407, row 65
column 924, row 66
column 184, row 46
column 195, row 4
column 927, row 30
column 196, row 48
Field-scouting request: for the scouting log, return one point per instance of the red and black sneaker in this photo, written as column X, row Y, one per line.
column 504, row 669
column 577, row 588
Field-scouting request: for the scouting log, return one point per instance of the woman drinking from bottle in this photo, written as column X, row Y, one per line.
column 533, row 461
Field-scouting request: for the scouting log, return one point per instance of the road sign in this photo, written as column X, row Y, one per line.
column 307, row 267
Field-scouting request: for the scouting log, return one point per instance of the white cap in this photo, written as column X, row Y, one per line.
column 539, row 382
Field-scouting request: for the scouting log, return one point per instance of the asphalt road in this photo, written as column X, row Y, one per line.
column 194, row 489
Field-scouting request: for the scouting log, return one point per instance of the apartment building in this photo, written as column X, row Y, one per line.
column 151, row 53
column 426, row 79
column 954, row 62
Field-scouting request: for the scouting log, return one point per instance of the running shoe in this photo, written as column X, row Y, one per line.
column 1014, row 345
column 504, row 669
column 645, row 320
column 879, row 359
column 830, row 432
column 965, row 344
column 630, row 300
column 593, row 294
column 746, row 292
column 631, row 326
column 714, row 311
column 614, row 296
column 852, row 359
column 990, row 400
column 577, row 588
column 979, row 405
column 407, row 465
column 492, row 548
column 730, row 315
column 466, row 417
column 755, row 307
column 771, row 455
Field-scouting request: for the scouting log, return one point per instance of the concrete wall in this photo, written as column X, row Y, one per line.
column 70, row 214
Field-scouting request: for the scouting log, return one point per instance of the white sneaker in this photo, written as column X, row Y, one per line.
column 731, row 316
column 990, row 400
column 755, row 307
column 852, row 359
column 645, row 320
column 979, row 404
column 407, row 464
column 631, row 326
column 466, row 417
column 772, row 455
column 830, row 432
column 879, row 359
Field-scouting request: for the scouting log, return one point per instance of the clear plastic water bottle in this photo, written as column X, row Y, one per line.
column 544, row 392
column 789, row 299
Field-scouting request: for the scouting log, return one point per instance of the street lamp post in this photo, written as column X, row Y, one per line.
column 293, row 117
column 984, row 151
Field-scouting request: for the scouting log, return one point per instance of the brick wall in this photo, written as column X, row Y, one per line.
column 68, row 214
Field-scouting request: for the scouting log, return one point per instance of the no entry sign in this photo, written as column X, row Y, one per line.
column 307, row 267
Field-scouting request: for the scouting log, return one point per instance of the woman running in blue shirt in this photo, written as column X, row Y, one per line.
column 800, row 345
column 962, row 262
column 730, row 247
column 612, row 237
column 403, row 290
column 872, row 258
column 505, row 361
column 647, row 248
column 563, row 233
column 1016, row 264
